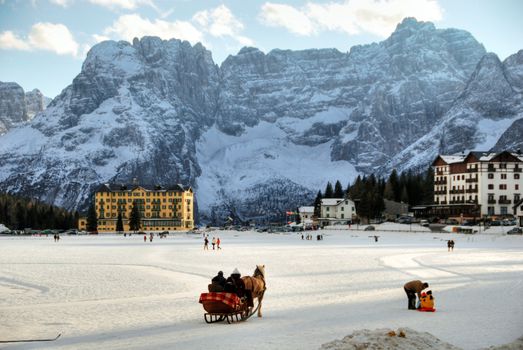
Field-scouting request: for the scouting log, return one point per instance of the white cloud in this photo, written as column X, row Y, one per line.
column 220, row 22
column 378, row 17
column 63, row 3
column 9, row 40
column 280, row 15
column 99, row 38
column 128, row 27
column 43, row 36
column 53, row 37
column 123, row 4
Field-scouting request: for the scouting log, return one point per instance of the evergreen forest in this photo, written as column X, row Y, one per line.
column 19, row 213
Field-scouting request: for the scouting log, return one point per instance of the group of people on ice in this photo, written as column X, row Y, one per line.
column 232, row 284
column 215, row 243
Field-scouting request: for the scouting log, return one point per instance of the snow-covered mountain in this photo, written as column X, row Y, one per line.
column 263, row 132
column 487, row 115
column 17, row 106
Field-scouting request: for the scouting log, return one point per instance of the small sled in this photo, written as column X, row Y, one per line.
column 427, row 309
column 225, row 307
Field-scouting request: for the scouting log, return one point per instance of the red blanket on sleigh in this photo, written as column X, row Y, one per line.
column 229, row 299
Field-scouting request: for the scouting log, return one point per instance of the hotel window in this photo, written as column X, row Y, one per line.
column 516, row 187
column 503, row 210
column 516, row 176
column 502, row 165
column 490, row 186
column 503, row 186
column 490, row 176
column 503, row 176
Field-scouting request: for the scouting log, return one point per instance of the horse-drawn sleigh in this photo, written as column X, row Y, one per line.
column 224, row 306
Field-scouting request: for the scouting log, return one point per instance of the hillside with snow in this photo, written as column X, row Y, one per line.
column 263, row 132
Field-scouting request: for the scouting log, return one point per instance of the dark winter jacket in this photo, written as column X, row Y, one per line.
column 235, row 285
column 219, row 279
column 415, row 286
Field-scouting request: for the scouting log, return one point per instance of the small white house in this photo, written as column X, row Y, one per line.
column 306, row 214
column 337, row 211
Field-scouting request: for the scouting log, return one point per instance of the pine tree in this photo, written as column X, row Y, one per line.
column 388, row 192
column 404, row 195
column 329, row 192
column 92, row 220
column 20, row 216
column 134, row 220
column 317, row 205
column 394, row 184
column 428, row 186
column 119, row 223
column 338, row 190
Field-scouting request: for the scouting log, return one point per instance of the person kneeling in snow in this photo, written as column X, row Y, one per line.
column 427, row 302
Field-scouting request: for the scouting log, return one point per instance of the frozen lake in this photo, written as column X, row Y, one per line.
column 110, row 292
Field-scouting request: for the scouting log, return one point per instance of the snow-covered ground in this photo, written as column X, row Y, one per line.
column 109, row 292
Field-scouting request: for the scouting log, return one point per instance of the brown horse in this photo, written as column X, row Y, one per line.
column 256, row 285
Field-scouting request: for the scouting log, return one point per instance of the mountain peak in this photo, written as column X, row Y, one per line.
column 248, row 49
column 412, row 24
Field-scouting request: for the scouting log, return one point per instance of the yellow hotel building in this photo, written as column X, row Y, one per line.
column 161, row 208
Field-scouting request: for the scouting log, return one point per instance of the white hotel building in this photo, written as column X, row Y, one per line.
column 477, row 184
column 337, row 211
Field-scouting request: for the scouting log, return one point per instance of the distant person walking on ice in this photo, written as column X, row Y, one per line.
column 218, row 242
column 145, row 238
column 206, row 243
column 450, row 245
column 412, row 289
column 151, row 237
column 213, row 242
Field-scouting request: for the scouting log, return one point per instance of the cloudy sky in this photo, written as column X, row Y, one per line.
column 43, row 42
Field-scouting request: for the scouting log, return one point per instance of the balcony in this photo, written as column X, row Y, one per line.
column 517, row 170
column 440, row 192
column 457, row 191
column 472, row 179
column 443, row 202
column 491, row 169
column 439, row 172
column 504, row 201
column 440, row 182
column 472, row 190
column 491, row 201
column 472, row 170
column 457, row 202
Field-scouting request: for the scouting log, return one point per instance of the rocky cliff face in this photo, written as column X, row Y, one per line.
column 485, row 116
column 17, row 107
column 284, row 122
